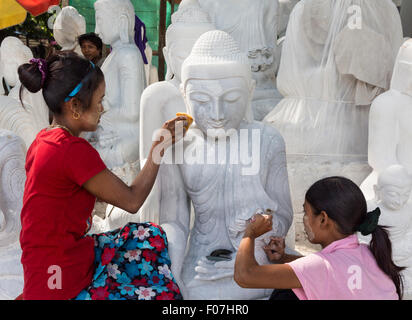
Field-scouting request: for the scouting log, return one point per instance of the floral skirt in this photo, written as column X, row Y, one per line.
column 132, row 263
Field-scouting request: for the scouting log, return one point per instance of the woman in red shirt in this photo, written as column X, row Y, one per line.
column 65, row 174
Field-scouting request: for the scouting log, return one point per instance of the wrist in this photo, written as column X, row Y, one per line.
column 249, row 234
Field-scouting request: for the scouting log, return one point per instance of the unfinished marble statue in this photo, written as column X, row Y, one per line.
column 117, row 137
column 160, row 102
column 217, row 86
column 253, row 24
column 68, row 26
column 392, row 196
column 390, row 133
column 12, row 179
column 329, row 74
column 14, row 53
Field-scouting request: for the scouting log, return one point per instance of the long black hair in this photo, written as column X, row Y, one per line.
column 344, row 203
column 65, row 70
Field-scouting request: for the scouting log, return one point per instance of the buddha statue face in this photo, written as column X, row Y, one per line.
column 218, row 104
column 394, row 187
column 217, row 84
column 68, row 26
column 115, row 20
column 13, row 53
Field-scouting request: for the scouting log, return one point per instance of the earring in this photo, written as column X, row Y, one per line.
column 76, row 115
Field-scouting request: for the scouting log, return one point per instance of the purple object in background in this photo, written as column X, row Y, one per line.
column 140, row 37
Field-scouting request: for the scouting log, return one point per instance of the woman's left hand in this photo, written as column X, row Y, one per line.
column 258, row 225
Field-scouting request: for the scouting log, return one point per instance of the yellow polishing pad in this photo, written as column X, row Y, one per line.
column 188, row 118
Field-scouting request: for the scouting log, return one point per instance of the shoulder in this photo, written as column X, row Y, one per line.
column 162, row 90
column 129, row 54
column 384, row 103
column 271, row 137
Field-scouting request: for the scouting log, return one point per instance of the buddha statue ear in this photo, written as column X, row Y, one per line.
column 124, row 29
column 169, row 72
column 249, row 112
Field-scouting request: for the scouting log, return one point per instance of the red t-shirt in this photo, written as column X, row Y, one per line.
column 57, row 258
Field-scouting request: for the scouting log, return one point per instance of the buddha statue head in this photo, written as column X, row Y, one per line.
column 189, row 22
column 217, row 84
column 401, row 79
column 115, row 20
column 394, row 187
column 68, row 26
column 13, row 53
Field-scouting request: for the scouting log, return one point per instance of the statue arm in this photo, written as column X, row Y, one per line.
column 175, row 218
column 277, row 186
column 383, row 134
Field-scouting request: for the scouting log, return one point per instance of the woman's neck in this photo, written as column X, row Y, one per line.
column 58, row 121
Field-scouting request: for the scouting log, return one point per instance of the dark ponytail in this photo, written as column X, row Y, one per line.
column 65, row 70
column 345, row 204
column 381, row 248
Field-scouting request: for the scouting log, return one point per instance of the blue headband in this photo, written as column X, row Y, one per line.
column 77, row 89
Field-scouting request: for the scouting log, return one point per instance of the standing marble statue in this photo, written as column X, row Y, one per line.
column 12, row 179
column 68, row 26
column 329, row 74
column 160, row 102
column 25, row 121
column 390, row 132
column 392, row 196
column 253, row 24
column 217, row 86
column 117, row 138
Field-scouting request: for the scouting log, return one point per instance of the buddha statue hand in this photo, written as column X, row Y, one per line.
column 210, row 270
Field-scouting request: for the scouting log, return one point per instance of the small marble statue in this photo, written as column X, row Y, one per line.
column 13, row 53
column 68, row 26
column 217, row 86
column 25, row 121
column 254, row 25
column 160, row 102
column 390, row 133
column 329, row 74
column 392, row 196
column 117, row 138
column 12, row 179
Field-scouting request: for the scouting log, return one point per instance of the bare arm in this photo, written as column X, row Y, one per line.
column 109, row 188
column 249, row 274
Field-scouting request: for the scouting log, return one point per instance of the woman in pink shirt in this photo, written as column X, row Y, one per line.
column 335, row 209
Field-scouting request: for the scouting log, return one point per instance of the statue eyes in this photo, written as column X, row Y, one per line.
column 200, row 97
column 229, row 97
column 232, row 96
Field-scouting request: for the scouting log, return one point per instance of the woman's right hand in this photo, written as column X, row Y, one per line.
column 171, row 132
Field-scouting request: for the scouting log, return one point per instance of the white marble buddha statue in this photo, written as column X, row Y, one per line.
column 392, row 196
column 117, row 138
column 329, row 74
column 12, row 179
column 223, row 187
column 67, row 27
column 13, row 53
column 254, row 25
column 390, row 133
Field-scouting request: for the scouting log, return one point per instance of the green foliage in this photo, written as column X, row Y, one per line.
column 32, row 27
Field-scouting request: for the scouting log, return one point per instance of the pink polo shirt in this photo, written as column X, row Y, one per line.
column 344, row 270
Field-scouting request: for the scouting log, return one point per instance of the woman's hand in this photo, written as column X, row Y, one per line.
column 172, row 131
column 259, row 224
column 275, row 249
